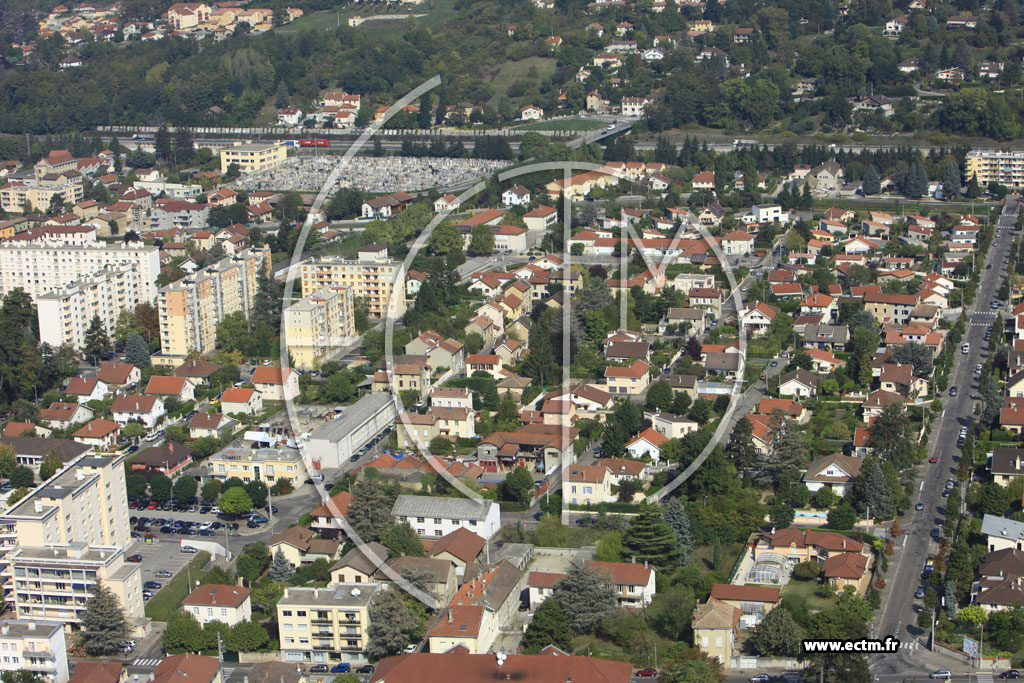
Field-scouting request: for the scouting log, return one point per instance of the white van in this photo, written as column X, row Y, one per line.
column 966, row 348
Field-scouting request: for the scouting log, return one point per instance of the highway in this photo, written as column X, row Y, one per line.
column 898, row 614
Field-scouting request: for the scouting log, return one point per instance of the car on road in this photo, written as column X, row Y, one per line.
column 365, row 669
column 646, row 673
column 1010, row 673
column 759, row 678
column 919, row 594
column 919, row 506
column 134, row 558
column 952, row 390
column 965, row 349
column 188, row 549
column 611, row 126
column 934, row 459
column 317, row 668
column 341, row 668
column 941, row 673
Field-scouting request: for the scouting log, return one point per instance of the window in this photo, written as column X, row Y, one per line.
column 419, row 520
column 223, row 611
column 437, row 532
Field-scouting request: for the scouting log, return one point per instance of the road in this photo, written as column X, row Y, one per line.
column 898, row 616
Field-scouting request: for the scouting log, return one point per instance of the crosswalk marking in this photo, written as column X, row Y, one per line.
column 146, row 662
column 984, row 677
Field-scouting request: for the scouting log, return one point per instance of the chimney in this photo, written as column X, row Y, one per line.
column 39, row 506
column 450, row 616
column 5, row 629
column 645, row 564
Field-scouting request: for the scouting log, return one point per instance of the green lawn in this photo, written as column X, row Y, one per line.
column 437, row 13
column 168, row 599
column 510, row 72
column 564, row 123
column 804, row 590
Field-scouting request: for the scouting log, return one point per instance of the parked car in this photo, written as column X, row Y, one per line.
column 164, row 574
column 134, row 558
column 941, row 673
column 153, row 585
column 759, row 678
column 647, row 673
column 1010, row 673
column 365, row 669
column 341, row 668
column 316, row 668
column 188, row 549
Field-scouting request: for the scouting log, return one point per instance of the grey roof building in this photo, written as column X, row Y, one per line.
column 335, row 442
column 434, row 516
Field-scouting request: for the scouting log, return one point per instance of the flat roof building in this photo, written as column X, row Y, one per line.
column 335, row 442
column 253, row 157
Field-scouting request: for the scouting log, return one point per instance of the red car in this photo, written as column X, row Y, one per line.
column 134, row 558
column 933, row 459
column 646, row 673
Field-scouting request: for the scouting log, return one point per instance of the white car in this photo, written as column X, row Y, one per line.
column 611, row 126
column 188, row 549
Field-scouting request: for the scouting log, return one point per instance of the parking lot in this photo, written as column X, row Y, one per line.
column 163, row 554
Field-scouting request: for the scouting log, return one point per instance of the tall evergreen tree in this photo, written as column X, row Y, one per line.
column 104, row 625
column 266, row 306
column 370, row 512
column 136, row 351
column 872, row 494
column 871, row 183
column 184, row 148
column 586, row 597
column 162, row 144
column 96, row 340
column 679, row 521
column 951, row 180
column 115, row 148
column 426, row 111
column 550, row 626
column 650, row 539
column 281, row 569
column 973, row 189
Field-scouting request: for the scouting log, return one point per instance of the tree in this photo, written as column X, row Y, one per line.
column 8, row 460
column 918, row 355
column 586, row 597
column 401, row 539
column 160, row 487
column 133, row 430
column 391, row 624
column 786, row 453
column 162, row 144
column 659, row 396
column 871, row 493
column 210, row 490
column 481, row 242
column 951, row 180
column 266, row 305
column 778, row 635
column 185, row 488
column 650, row 539
column 781, row 515
column 20, row 676
column 915, row 185
column 49, row 466
column 246, row 636
column 257, row 492
column 281, row 569
column 235, row 501
column 96, row 340
column 679, row 522
column 135, row 485
column 517, row 487
column 21, row 476
column 445, row 239
column 369, row 513
column 254, row 559
column 700, row 411
column 871, row 184
column 184, row 632
column 693, row 666
column 842, row 517
column 628, row 489
column 550, row 626
column 609, row 547
column 104, row 625
column 741, row 443
column 550, row 532
column 136, row 351
column 281, row 95
column 973, row 188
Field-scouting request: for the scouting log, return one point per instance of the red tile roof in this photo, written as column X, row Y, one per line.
column 218, row 595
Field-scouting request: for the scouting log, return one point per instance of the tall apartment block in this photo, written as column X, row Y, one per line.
column 72, row 283
column 191, row 308
column 66, row 535
column 38, row 646
column 325, row 625
column 372, row 276
column 319, row 323
column 1002, row 166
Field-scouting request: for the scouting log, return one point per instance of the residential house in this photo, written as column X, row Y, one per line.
column 432, row 516
column 835, row 472
column 798, row 383
column 647, row 443
column 630, row 380
column 137, row 408
column 300, row 546
column 241, row 401
column 218, row 602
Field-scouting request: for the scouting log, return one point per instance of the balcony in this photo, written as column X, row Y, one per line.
column 324, row 634
column 320, row 646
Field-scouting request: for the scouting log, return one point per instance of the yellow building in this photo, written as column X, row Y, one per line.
column 254, row 157
column 325, row 625
column 259, row 464
column 40, row 194
column 714, row 629
column 1002, row 166
column 66, row 535
column 372, row 276
column 191, row 308
column 318, row 324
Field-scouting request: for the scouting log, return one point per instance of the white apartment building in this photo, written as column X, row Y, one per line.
column 42, row 268
column 63, row 537
column 319, row 323
column 40, row 194
column 373, row 278
column 191, row 308
column 433, row 517
column 38, row 646
column 1003, row 166
column 65, row 313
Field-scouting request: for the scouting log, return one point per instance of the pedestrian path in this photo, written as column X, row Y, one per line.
column 984, row 677
column 146, row 662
